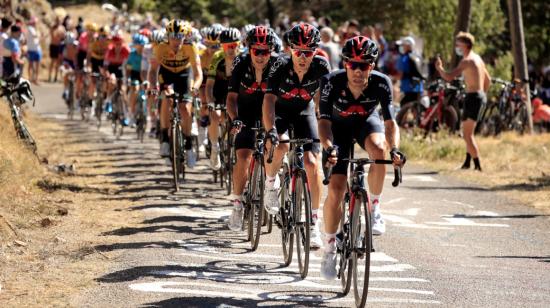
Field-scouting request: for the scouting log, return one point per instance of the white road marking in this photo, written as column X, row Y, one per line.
column 459, row 221
column 394, row 200
column 420, row 178
column 459, row 203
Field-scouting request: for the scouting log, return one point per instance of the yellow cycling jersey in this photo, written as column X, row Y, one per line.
column 176, row 62
column 98, row 48
column 206, row 59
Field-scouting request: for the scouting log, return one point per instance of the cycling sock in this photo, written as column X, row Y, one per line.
column 164, row 135
column 330, row 242
column 476, row 164
column 188, row 143
column 375, row 199
column 466, row 164
column 314, row 216
column 236, row 197
column 272, row 182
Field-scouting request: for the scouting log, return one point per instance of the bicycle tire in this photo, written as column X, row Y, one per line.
column 287, row 236
column 408, row 116
column 302, row 217
column 256, row 215
column 450, row 118
column 25, row 135
column 229, row 170
column 345, row 261
column 361, row 232
column 520, row 120
column 176, row 157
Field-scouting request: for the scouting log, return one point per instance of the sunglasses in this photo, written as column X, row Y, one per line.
column 306, row 52
column 260, row 52
column 230, row 46
column 213, row 46
column 363, row 66
column 178, row 36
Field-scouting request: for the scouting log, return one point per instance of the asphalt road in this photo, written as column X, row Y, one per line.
column 447, row 243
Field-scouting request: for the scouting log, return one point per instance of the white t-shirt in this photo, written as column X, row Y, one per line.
column 33, row 39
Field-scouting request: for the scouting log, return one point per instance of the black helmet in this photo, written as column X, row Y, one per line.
column 260, row 35
column 213, row 34
column 360, row 48
column 178, row 26
column 230, row 35
column 304, row 35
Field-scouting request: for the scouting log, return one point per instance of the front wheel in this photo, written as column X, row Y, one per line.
column 256, row 214
column 345, row 271
column 361, row 236
column 176, row 140
column 302, row 218
column 408, row 116
column 287, row 235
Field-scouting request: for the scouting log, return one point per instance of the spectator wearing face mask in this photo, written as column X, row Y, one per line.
column 408, row 71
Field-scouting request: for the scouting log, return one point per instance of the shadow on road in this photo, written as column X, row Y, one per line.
column 539, row 258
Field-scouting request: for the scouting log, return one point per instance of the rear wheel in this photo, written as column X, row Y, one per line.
column 302, row 217
column 287, row 236
column 408, row 116
column 361, row 236
column 450, row 118
column 256, row 216
column 345, row 271
column 519, row 122
column 490, row 124
column 176, row 154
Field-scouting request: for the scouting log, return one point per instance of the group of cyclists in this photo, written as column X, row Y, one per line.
column 255, row 78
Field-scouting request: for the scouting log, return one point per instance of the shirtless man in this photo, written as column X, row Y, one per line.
column 57, row 35
column 477, row 82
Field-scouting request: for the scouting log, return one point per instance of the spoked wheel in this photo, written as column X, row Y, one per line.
column 176, row 145
column 229, row 171
column 490, row 124
column 287, row 234
column 302, row 216
column 519, row 122
column 256, row 215
column 408, row 116
column 345, row 270
column 361, row 236
column 98, row 111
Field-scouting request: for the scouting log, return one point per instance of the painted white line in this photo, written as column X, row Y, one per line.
column 171, row 287
column 420, row 178
column 457, row 221
column 422, row 226
column 401, row 300
column 198, row 213
column 394, row 200
column 397, row 219
column 459, row 203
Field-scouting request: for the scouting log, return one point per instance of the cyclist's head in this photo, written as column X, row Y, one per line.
column 194, row 37
column 145, row 32
column 118, row 40
column 359, row 54
column 91, row 27
column 230, row 40
column 178, row 29
column 158, row 36
column 260, row 36
column 139, row 39
column 304, row 36
column 246, row 29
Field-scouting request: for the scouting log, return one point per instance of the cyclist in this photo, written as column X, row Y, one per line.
column 84, row 41
column 96, row 54
column 12, row 61
column 70, row 51
column 156, row 37
column 170, row 63
column 244, row 106
column 216, row 86
column 349, row 98
column 115, row 56
column 133, row 70
column 211, row 40
column 477, row 80
column 291, row 98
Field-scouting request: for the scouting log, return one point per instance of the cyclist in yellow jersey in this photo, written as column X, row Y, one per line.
column 211, row 40
column 97, row 48
column 171, row 63
column 216, row 86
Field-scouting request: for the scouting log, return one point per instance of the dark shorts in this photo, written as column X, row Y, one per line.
column 305, row 126
column 69, row 63
column 179, row 80
column 8, row 67
column 55, row 50
column 135, row 75
column 80, row 58
column 35, row 55
column 473, row 105
column 345, row 133
column 115, row 69
column 96, row 64
column 245, row 139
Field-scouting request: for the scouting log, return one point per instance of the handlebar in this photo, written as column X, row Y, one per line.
column 367, row 161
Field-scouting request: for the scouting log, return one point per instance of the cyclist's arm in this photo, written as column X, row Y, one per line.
column 231, row 103
column 268, row 111
column 325, row 113
column 197, row 73
column 209, row 90
column 153, row 73
column 392, row 133
column 449, row 76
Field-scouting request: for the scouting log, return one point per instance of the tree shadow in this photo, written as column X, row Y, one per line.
column 518, row 216
column 539, row 258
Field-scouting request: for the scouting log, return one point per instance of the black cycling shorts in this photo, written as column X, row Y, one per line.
column 345, row 132
column 179, row 80
column 135, row 75
column 305, row 126
column 96, row 64
column 115, row 69
column 473, row 105
column 80, row 57
column 245, row 139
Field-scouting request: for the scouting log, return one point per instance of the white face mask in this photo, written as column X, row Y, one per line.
column 401, row 50
column 459, row 51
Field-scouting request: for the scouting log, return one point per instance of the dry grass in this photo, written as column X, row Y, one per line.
column 517, row 166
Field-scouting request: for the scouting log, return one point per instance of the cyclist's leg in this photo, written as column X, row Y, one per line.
column 271, row 169
column 306, row 127
column 244, row 145
column 473, row 106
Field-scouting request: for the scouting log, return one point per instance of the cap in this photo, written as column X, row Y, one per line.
column 408, row 40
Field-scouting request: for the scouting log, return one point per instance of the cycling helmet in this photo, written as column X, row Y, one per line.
column 117, row 38
column 195, row 35
column 139, row 39
column 91, row 26
column 260, row 35
column 247, row 28
column 204, row 31
column 304, row 35
column 158, row 36
column 178, row 26
column 230, row 35
column 213, row 34
column 217, row 27
column 360, row 48
column 277, row 43
column 145, row 32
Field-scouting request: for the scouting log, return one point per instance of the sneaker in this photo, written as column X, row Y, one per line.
column 164, row 149
column 271, row 197
column 194, row 128
column 328, row 266
column 315, row 240
column 168, row 161
column 235, row 222
column 191, row 159
column 153, row 132
column 215, row 163
column 378, row 224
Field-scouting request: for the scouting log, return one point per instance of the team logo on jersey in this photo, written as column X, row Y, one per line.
column 255, row 87
column 353, row 110
column 297, row 93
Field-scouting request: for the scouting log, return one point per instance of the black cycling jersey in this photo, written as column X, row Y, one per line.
column 338, row 104
column 293, row 95
column 217, row 72
column 251, row 94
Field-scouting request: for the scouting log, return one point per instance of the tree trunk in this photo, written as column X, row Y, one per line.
column 462, row 23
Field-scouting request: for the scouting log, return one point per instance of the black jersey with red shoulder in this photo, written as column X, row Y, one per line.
column 251, row 93
column 338, row 103
column 293, row 94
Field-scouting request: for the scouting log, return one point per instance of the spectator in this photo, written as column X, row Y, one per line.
column 6, row 24
column 382, row 47
column 80, row 26
column 330, row 47
column 57, row 34
column 408, row 67
column 368, row 31
column 351, row 29
column 34, row 50
column 11, row 53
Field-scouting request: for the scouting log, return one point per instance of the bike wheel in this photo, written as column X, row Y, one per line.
column 345, row 262
column 176, row 155
column 26, row 136
column 490, row 124
column 519, row 123
column 361, row 240
column 229, row 170
column 256, row 214
column 408, row 116
column 450, row 118
column 302, row 218
column 287, row 234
